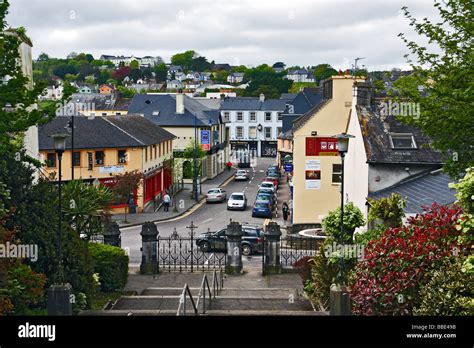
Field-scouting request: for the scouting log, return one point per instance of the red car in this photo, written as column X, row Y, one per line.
column 275, row 181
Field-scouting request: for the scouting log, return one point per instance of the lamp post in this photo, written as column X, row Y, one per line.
column 59, row 293
column 340, row 303
column 70, row 126
column 196, row 194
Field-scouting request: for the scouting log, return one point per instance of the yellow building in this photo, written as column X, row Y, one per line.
column 317, row 165
column 107, row 146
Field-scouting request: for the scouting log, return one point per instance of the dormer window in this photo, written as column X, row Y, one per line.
column 400, row 141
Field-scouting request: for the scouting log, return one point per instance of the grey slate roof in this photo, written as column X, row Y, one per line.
column 375, row 130
column 253, row 103
column 161, row 110
column 288, row 96
column 305, row 100
column 421, row 191
column 104, row 132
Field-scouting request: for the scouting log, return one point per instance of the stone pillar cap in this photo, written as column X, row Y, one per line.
column 111, row 229
column 149, row 229
column 273, row 229
column 234, row 229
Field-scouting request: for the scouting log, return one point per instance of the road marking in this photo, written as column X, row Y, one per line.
column 210, row 219
column 261, row 171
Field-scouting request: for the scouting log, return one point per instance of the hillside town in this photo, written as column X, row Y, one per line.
column 137, row 185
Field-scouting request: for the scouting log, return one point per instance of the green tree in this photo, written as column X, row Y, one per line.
column 323, row 71
column 161, row 72
column 184, row 59
column 85, row 206
column 442, row 82
column 127, row 184
column 134, row 64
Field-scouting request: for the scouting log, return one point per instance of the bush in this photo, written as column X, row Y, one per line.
column 449, row 292
column 353, row 218
column 112, row 265
column 389, row 210
column 323, row 274
column 396, row 266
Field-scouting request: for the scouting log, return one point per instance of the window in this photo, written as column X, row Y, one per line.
column 239, row 132
column 402, row 141
column 278, row 131
column 227, row 115
column 336, row 173
column 252, row 132
column 268, row 117
column 280, row 116
column 122, row 156
column 240, row 117
column 268, row 132
column 51, row 160
column 154, row 148
column 99, row 158
column 118, row 113
column 76, row 159
column 104, row 114
column 253, row 116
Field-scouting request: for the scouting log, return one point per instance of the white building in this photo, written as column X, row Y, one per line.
column 254, row 123
column 236, row 77
column 147, row 61
column 300, row 75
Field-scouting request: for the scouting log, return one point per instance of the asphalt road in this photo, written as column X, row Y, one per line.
column 213, row 216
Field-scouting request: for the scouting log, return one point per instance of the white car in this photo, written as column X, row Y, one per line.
column 267, row 185
column 216, row 195
column 241, row 174
column 237, row 201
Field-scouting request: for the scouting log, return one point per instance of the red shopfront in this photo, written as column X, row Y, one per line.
column 153, row 186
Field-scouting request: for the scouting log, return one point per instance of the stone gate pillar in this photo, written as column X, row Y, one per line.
column 112, row 234
column 234, row 248
column 149, row 235
column 272, row 248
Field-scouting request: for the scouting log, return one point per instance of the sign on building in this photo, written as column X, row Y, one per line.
column 205, row 140
column 313, row 174
column 321, row 146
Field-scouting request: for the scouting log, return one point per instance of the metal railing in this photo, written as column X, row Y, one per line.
column 217, row 286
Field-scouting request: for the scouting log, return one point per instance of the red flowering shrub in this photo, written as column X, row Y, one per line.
column 396, row 266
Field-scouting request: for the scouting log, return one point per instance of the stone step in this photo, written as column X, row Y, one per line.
column 146, row 312
column 259, row 292
column 149, row 302
column 260, row 304
column 156, row 291
column 130, row 303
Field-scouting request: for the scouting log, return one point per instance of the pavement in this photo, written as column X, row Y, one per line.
column 181, row 203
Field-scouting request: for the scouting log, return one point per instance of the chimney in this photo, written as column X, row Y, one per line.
column 262, row 97
column 363, row 93
column 180, row 102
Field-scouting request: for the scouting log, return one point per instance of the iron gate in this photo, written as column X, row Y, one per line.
column 293, row 249
column 181, row 254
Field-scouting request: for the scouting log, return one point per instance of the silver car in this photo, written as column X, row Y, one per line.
column 241, row 174
column 237, row 201
column 216, row 195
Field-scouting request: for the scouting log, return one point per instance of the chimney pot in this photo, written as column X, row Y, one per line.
column 262, row 97
column 180, row 102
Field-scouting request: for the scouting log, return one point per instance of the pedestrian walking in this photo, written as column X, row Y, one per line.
column 167, row 201
column 286, row 211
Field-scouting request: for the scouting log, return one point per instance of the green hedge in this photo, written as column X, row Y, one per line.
column 112, row 265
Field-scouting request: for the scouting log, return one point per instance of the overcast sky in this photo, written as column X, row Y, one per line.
column 250, row 32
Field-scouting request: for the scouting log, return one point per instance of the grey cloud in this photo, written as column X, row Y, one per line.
column 298, row 32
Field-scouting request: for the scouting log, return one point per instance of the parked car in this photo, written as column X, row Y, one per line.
column 273, row 170
column 267, row 185
column 237, row 201
column 267, row 191
column 266, row 197
column 274, row 180
column 262, row 209
column 216, row 195
column 252, row 240
column 241, row 174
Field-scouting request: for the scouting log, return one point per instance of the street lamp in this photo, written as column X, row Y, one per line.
column 342, row 147
column 59, row 293
column 196, row 194
column 339, row 297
